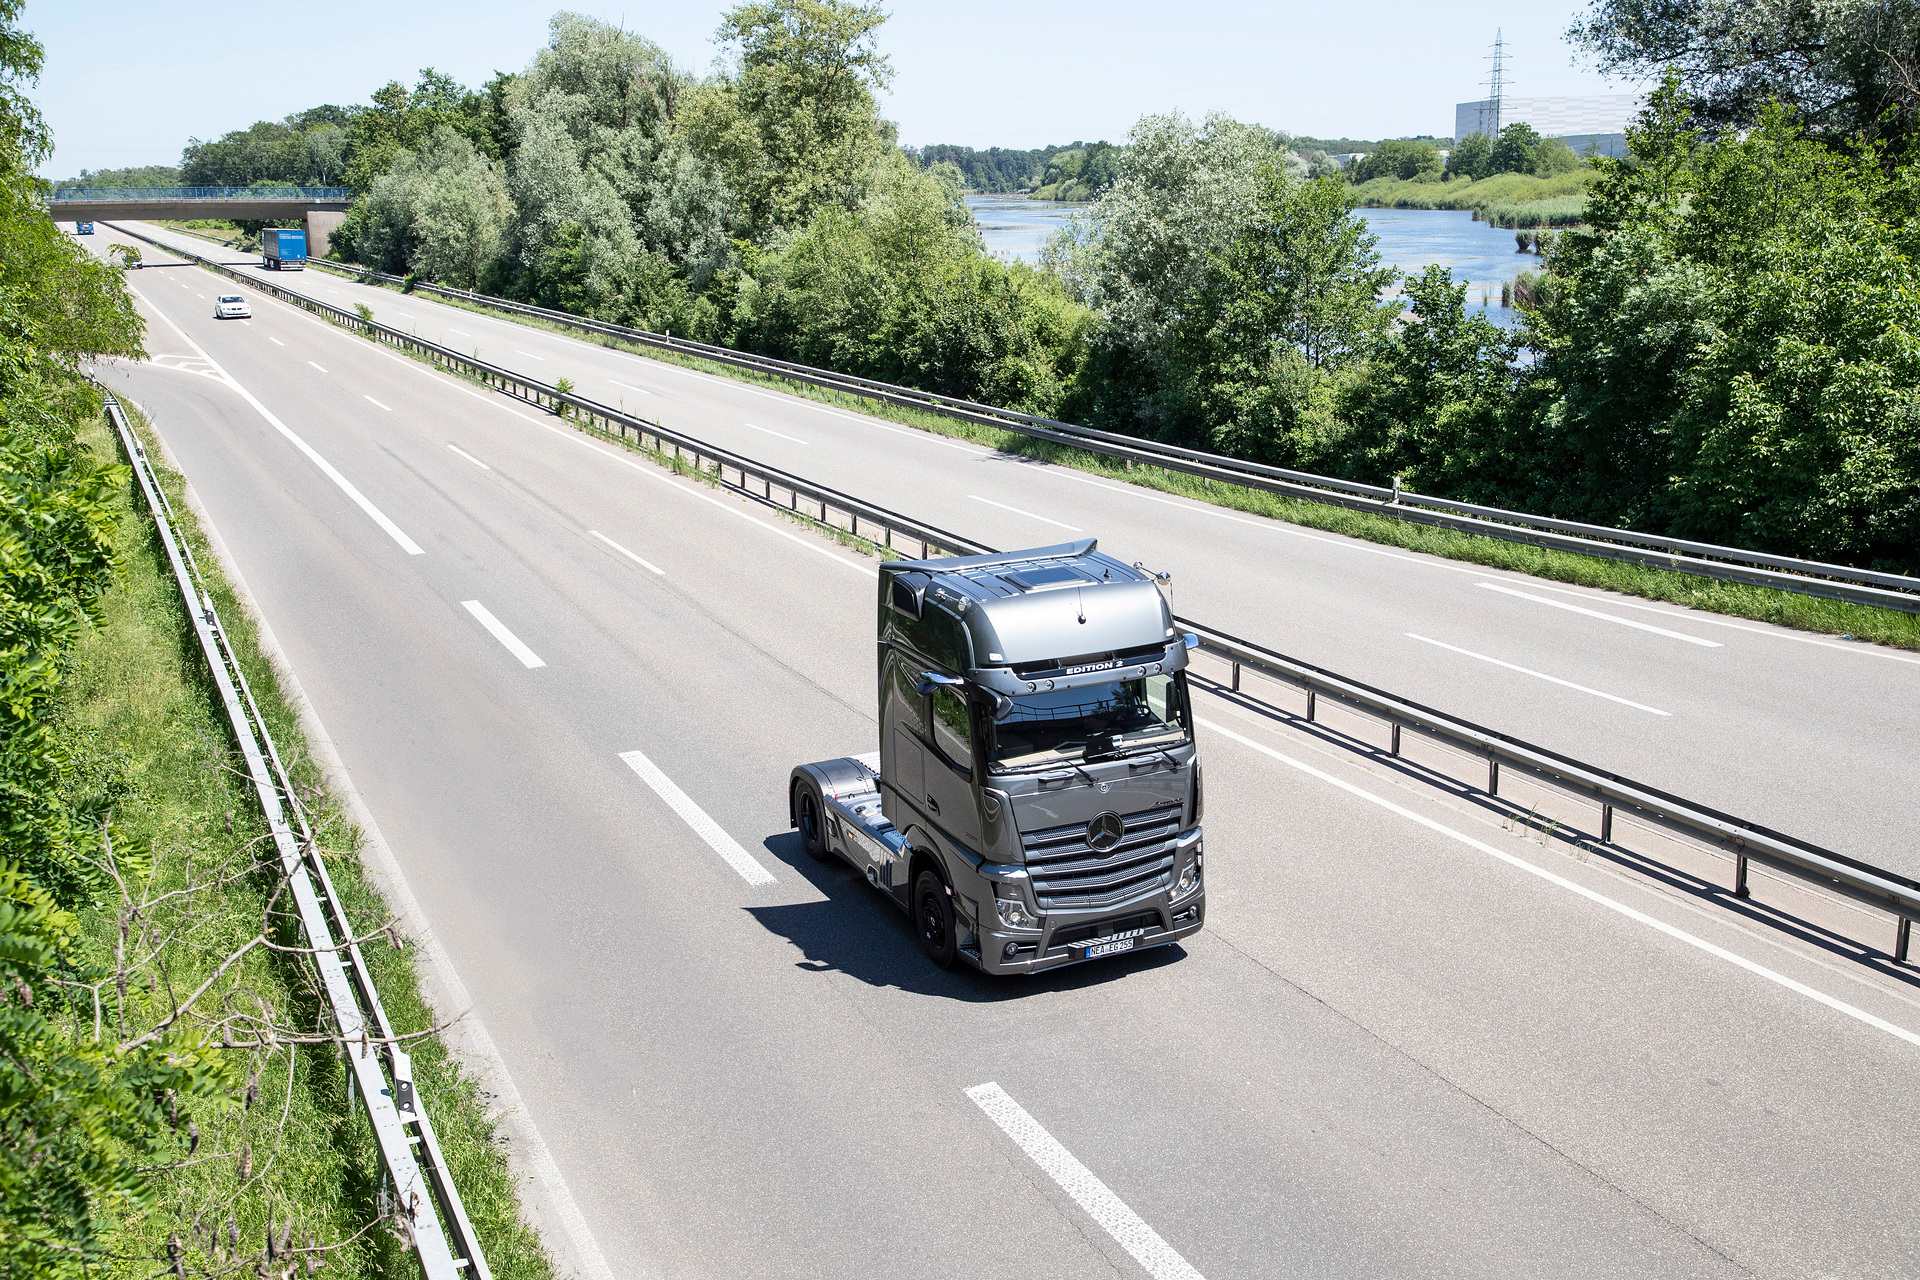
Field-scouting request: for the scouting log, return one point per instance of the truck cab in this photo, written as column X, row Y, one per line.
column 1035, row 800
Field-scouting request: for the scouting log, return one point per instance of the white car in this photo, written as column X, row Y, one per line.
column 231, row 306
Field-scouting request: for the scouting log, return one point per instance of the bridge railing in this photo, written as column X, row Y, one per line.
column 331, row 194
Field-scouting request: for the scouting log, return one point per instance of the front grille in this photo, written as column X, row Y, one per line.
column 1069, row 876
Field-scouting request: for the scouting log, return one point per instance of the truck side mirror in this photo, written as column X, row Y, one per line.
column 931, row 680
column 1002, row 706
column 1191, row 640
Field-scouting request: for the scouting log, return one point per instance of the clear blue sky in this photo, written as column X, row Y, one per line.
column 128, row 84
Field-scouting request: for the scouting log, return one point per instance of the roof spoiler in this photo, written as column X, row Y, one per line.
column 1061, row 551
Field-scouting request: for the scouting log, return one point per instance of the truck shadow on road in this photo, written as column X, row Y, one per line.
column 858, row 932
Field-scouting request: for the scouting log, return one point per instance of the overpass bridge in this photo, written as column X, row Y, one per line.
column 320, row 209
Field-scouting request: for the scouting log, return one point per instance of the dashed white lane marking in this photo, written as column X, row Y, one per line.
column 1639, row 917
column 1028, row 514
column 469, row 457
column 645, row 564
column 529, row 355
column 528, row 658
column 1538, row 675
column 1127, row 1228
column 376, row 404
column 647, row 469
column 462, row 332
column 1702, row 619
column 1604, row 617
column 624, row 387
column 275, row 341
column 694, row 816
column 780, row 434
column 332, row 473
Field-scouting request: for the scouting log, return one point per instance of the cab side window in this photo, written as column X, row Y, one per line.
column 942, row 638
column 951, row 733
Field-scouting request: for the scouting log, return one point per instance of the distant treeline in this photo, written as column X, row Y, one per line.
column 147, row 175
column 997, row 170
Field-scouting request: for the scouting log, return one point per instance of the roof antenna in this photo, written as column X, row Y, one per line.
column 1080, row 604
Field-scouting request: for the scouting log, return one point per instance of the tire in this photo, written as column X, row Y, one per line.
column 813, row 821
column 933, row 919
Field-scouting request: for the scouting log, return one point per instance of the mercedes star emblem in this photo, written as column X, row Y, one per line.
column 1104, row 832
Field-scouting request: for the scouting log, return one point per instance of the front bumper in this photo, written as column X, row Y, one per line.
column 1149, row 922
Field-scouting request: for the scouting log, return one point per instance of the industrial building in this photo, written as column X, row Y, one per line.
column 1596, row 123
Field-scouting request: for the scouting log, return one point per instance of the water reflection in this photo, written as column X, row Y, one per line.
column 1410, row 239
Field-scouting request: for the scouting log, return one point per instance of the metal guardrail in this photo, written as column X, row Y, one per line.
column 1747, row 841
column 767, row 485
column 443, row 1237
column 1731, row 564
column 1850, row 878
column 330, row 194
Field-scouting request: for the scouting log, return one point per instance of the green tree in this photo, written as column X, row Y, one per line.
column 1515, row 149
column 1471, row 157
column 793, row 123
column 1847, row 68
column 1407, row 161
column 1291, row 300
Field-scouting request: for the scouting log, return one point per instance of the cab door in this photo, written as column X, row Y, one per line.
column 951, row 800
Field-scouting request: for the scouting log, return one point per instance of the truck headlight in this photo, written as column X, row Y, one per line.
column 1189, row 879
column 1013, row 912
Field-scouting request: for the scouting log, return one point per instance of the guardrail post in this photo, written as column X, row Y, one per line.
column 1902, row 937
column 1606, row 824
column 1312, row 699
column 1236, row 678
column 1493, row 775
column 1740, row 874
column 1396, row 738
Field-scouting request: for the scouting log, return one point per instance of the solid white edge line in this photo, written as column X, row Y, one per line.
column 1129, row 1230
column 1538, row 675
column 469, row 457
column 645, row 564
column 1070, row 528
column 694, row 816
column 650, row 470
column 1640, row 917
column 1604, row 617
column 779, row 434
column 332, row 473
column 376, row 404
column 466, row 1033
column 528, row 658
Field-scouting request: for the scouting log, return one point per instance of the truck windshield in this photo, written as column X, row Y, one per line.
column 1117, row 718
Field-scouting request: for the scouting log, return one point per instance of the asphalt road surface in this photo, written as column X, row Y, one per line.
column 1409, row 1042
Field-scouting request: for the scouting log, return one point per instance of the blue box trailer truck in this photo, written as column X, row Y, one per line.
column 283, row 250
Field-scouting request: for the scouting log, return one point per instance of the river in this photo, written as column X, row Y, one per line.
column 1410, row 240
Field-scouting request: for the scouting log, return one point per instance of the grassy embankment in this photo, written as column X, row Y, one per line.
column 1505, row 200
column 142, row 722
column 1761, row 604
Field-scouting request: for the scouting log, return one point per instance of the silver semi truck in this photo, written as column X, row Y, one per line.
column 1035, row 800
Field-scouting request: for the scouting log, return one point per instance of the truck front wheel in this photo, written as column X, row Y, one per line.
column 813, row 829
column 933, row 917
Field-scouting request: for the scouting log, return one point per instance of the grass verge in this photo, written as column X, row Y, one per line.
column 1759, row 604
column 140, row 718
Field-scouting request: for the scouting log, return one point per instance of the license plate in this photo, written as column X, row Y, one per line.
column 1109, row 948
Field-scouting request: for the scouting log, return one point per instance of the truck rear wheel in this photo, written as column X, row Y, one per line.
column 813, row 821
column 933, row 918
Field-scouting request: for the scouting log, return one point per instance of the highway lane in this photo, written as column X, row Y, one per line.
column 1391, row 1052
column 1811, row 735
